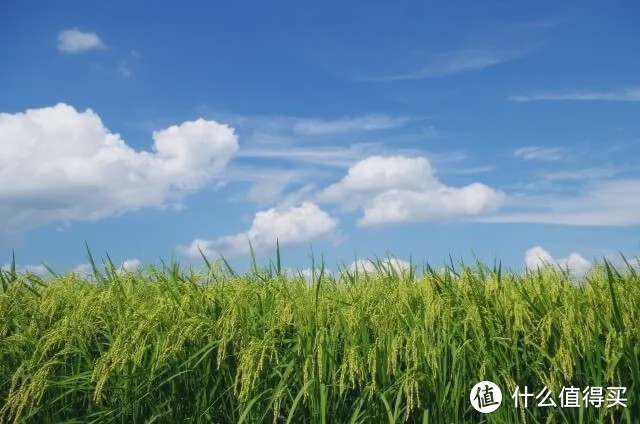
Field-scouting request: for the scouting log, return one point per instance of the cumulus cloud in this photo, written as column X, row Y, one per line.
column 84, row 270
column 537, row 257
column 394, row 189
column 622, row 264
column 130, row 264
column 363, row 265
column 74, row 41
column 58, row 164
column 308, row 274
column 388, row 264
column 397, row 206
column 286, row 225
column 40, row 270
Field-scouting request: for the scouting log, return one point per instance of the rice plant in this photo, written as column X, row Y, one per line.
column 164, row 344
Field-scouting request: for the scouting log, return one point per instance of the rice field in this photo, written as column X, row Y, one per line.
column 168, row 345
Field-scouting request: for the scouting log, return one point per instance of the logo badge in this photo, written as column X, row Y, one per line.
column 485, row 397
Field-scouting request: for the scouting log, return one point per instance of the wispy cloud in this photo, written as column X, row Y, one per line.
column 125, row 66
column 538, row 153
column 340, row 157
column 270, row 190
column 281, row 126
column 345, row 156
column 283, row 156
column 603, row 204
column 73, row 41
column 124, row 69
column 348, row 125
column 630, row 94
column 468, row 170
column 586, row 174
column 456, row 62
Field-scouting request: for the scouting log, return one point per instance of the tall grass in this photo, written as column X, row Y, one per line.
column 167, row 345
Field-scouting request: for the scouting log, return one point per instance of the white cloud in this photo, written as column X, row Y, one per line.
column 618, row 262
column 75, row 41
column 537, row 257
column 631, row 94
column 604, row 203
column 389, row 264
column 538, row 153
column 287, row 225
column 131, row 264
column 446, row 271
column 397, row 206
column 297, row 150
column 60, row 165
column 394, row 189
column 84, row 270
column 40, row 270
column 308, row 274
column 379, row 173
column 456, row 62
column 363, row 265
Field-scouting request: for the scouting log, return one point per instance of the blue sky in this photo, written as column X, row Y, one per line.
column 493, row 129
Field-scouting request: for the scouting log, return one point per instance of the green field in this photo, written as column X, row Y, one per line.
column 168, row 345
